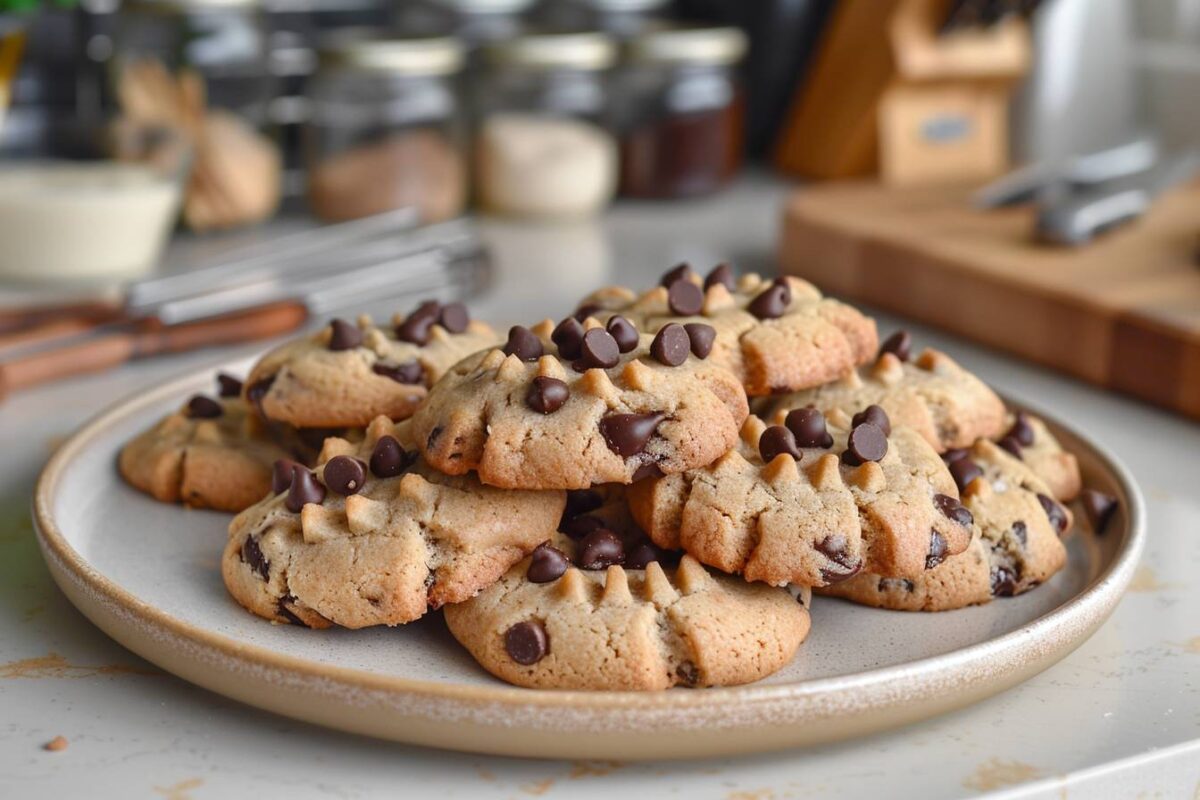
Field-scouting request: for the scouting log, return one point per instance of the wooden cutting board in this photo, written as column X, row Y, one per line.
column 1123, row 312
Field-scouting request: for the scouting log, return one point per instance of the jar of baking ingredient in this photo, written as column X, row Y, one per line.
column 681, row 125
column 386, row 129
column 543, row 148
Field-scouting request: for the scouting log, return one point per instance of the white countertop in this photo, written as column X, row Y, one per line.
column 1118, row 718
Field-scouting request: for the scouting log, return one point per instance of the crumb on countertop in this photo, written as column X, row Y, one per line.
column 56, row 744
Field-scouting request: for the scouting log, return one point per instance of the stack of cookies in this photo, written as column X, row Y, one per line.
column 591, row 501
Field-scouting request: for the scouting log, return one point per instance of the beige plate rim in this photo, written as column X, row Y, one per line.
column 989, row 666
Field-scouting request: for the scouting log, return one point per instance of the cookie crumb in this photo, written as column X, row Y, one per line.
column 56, row 744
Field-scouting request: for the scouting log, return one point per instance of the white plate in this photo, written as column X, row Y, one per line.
column 148, row 575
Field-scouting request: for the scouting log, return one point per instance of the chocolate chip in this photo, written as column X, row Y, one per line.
column 600, row 549
column 964, row 470
column 876, row 416
column 685, row 298
column 937, row 550
column 772, row 303
column 546, row 395
column 891, row 584
column 581, row 501
column 388, row 458
column 252, row 554
column 305, row 489
column 598, row 351
column 1021, row 532
column 837, row 550
column 1012, row 445
column 642, row 555
column 201, row 407
column 1004, row 582
column 648, row 470
column 410, row 372
column 585, row 311
column 580, row 527
column 1055, row 513
column 281, row 474
column 671, row 345
column 415, row 327
column 722, row 274
column 955, row 454
column 345, row 475
column 953, row 510
column 523, row 344
column 776, row 440
column 568, row 337
column 898, row 344
column 258, row 390
column 627, row 434
column 701, row 337
column 1099, row 508
column 687, row 673
column 343, row 335
column 454, row 317
column 1022, row 430
column 680, row 272
column 623, row 332
column 867, row 442
column 808, row 427
column 227, row 385
column 526, row 642
column 547, row 564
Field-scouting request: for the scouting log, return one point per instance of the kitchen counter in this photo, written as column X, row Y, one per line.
column 1120, row 717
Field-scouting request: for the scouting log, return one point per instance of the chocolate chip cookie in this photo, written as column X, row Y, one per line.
column 572, row 405
column 931, row 394
column 1028, row 438
column 211, row 453
column 812, row 502
column 1017, row 546
column 567, row 619
column 375, row 537
column 774, row 335
column 347, row 374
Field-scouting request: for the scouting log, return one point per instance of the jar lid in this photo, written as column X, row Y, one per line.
column 583, row 51
column 681, row 45
column 435, row 55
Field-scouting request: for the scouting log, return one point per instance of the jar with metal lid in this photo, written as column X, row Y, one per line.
column 543, row 147
column 386, row 128
column 681, row 126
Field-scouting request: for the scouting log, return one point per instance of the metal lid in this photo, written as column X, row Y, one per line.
column 583, row 51
column 487, row 6
column 368, row 50
column 626, row 6
column 677, row 45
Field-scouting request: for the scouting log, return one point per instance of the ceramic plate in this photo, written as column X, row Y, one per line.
column 148, row 574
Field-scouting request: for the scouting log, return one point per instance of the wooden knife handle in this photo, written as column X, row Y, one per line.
column 244, row 326
column 84, row 313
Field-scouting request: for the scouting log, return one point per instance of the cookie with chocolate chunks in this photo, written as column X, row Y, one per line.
column 1027, row 437
column 601, row 412
column 373, row 536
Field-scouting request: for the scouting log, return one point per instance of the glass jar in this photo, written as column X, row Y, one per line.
column 681, row 126
column 543, row 147
column 386, row 129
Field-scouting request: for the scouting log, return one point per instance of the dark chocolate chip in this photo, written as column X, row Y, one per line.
column 898, row 344
column 671, row 345
column 808, row 427
column 581, row 501
column 434, row 435
column 701, row 337
column 627, row 434
column 1012, row 445
column 867, row 442
column 722, row 274
column 776, row 440
column 345, row 475
column 687, row 673
column 526, row 642
column 950, row 456
column 953, row 510
column 891, row 584
column 580, row 527
column 837, row 550
column 305, row 489
column 252, row 554
column 344, row 335
column 1021, row 532
column 281, row 474
column 876, row 416
column 598, row 351
column 771, row 303
column 414, row 330
column 454, row 317
column 1099, row 508
column 682, row 271
column 1055, row 513
column 547, row 564
column 227, row 385
column 410, row 372
column 201, row 407
column 585, row 311
column 388, row 458
column 287, row 613
column 546, row 395
column 685, row 298
column 1004, row 582
column 600, row 549
column 258, row 390
column 937, row 550
column 1022, row 430
column 642, row 555
column 523, row 344
column 429, row 311
column 648, row 470
column 623, row 333
column 568, row 337
column 964, row 470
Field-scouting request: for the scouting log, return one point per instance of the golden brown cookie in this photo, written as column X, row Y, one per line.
column 1028, row 438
